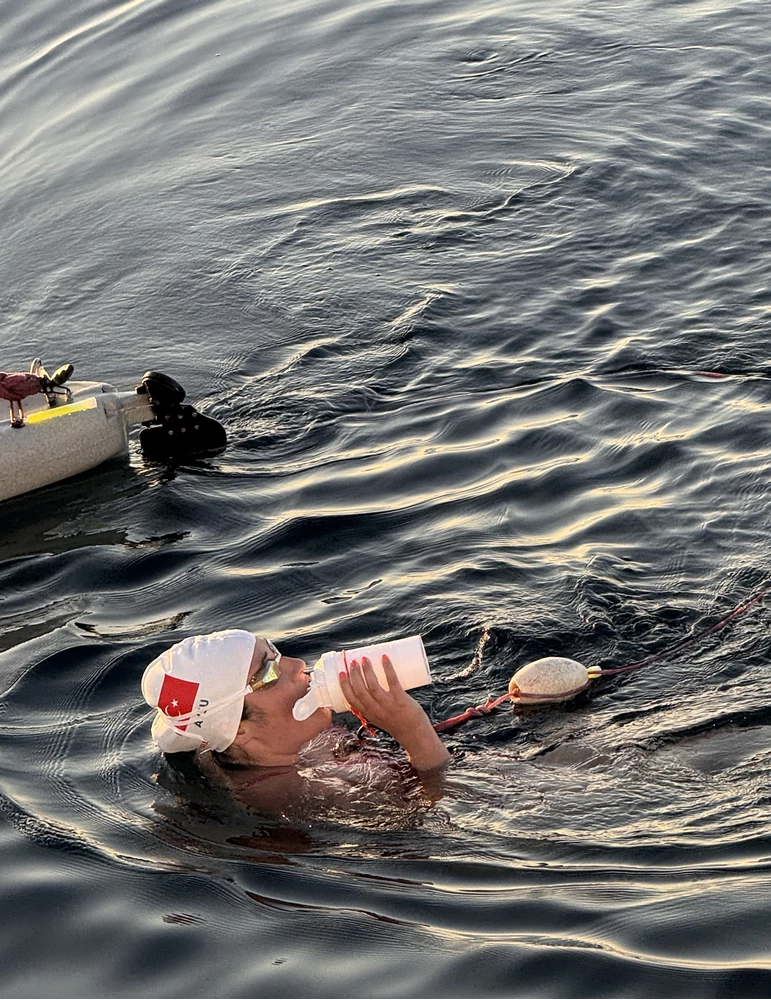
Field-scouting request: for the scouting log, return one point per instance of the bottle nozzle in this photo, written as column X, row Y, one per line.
column 307, row 705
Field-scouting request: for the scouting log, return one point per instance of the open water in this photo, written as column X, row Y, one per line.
column 446, row 270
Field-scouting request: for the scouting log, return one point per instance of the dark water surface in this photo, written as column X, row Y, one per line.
column 411, row 254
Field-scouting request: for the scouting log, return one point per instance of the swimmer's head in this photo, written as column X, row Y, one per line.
column 198, row 687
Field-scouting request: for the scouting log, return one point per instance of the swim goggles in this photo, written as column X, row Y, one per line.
column 268, row 673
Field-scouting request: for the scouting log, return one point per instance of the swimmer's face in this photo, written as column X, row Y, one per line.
column 274, row 700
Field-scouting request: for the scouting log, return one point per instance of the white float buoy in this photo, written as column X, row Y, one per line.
column 552, row 678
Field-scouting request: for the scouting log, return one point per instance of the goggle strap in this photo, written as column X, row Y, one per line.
column 176, row 721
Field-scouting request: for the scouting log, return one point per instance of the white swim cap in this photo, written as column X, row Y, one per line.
column 198, row 687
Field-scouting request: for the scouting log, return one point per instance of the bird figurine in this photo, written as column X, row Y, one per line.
column 15, row 386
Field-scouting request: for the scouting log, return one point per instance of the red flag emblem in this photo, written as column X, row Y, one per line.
column 177, row 696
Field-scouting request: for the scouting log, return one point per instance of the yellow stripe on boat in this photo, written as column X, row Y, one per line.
column 61, row 411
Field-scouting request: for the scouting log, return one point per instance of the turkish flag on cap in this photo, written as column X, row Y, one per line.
column 177, row 696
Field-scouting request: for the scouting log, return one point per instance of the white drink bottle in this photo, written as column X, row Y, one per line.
column 408, row 657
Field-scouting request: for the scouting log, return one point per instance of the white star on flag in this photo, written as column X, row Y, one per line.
column 177, row 697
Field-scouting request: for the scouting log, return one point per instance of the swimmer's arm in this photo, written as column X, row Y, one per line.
column 394, row 711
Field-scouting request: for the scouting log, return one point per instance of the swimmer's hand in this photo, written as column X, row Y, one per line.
column 394, row 711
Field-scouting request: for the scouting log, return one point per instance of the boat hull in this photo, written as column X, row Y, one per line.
column 57, row 442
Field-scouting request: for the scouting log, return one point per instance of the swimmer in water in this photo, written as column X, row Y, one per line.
column 228, row 697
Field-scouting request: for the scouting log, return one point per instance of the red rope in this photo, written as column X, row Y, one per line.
column 471, row 713
column 477, row 711
column 693, row 639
